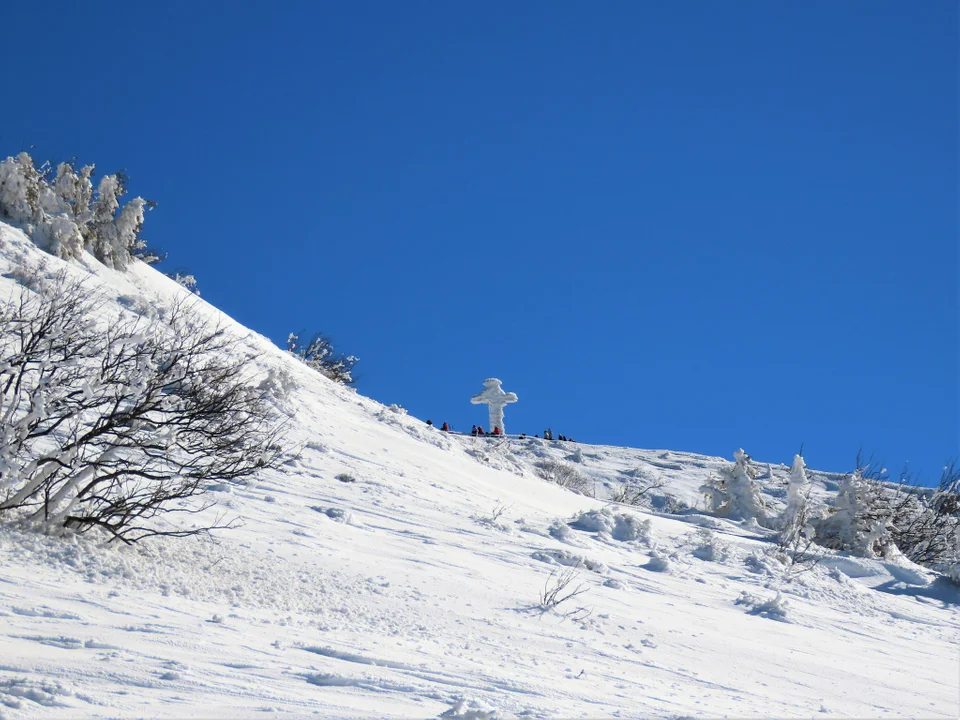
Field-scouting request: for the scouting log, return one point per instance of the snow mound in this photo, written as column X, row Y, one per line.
column 624, row 527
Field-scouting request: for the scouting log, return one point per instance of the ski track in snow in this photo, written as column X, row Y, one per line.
column 401, row 595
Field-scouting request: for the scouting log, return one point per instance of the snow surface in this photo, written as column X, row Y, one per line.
column 395, row 571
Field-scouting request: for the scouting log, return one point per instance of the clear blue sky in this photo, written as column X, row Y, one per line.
column 685, row 225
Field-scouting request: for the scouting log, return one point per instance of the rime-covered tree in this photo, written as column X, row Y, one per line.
column 64, row 216
column 320, row 355
column 734, row 493
column 102, row 238
column 925, row 522
column 19, row 189
column 795, row 521
column 859, row 518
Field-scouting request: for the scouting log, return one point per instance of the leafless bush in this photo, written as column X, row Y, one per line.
column 798, row 553
column 634, row 492
column 493, row 519
column 498, row 510
column 558, row 589
column 565, row 475
column 112, row 427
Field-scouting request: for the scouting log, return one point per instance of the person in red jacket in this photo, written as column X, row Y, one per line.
column 445, row 427
column 496, row 430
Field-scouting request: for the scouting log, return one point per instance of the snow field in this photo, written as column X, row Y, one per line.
column 401, row 592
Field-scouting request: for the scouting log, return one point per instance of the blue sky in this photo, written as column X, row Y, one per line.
column 689, row 225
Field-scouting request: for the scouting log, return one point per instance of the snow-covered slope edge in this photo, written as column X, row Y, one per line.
column 400, row 594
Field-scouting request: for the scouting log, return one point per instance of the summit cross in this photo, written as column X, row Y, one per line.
column 495, row 399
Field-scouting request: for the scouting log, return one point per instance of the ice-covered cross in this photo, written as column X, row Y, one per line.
column 495, row 399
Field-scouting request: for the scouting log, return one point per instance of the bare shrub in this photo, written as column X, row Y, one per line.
column 668, row 504
column 498, row 510
column 634, row 492
column 559, row 588
column 798, row 553
column 493, row 519
column 565, row 475
column 112, row 427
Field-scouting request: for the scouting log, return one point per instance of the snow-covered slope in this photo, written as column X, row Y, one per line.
column 403, row 593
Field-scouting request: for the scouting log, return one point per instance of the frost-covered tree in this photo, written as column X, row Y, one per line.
column 20, row 189
column 925, row 522
column 873, row 517
column 113, row 234
column 734, row 493
column 794, row 521
column 859, row 519
column 101, row 233
column 63, row 236
column 320, row 355
column 62, row 214
column 66, row 187
column 186, row 280
column 75, row 189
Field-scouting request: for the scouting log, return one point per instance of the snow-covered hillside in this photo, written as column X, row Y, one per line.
column 393, row 570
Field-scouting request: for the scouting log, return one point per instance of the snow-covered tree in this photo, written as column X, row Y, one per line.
column 74, row 190
column 926, row 521
column 113, row 234
column 101, row 234
column 63, row 236
column 63, row 216
column 187, row 280
column 794, row 521
column 859, row 519
column 734, row 493
column 320, row 355
column 66, row 186
column 19, row 189
column 84, row 194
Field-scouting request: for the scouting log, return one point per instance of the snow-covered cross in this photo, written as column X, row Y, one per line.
column 495, row 398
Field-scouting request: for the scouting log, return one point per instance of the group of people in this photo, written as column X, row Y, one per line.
column 478, row 431
column 548, row 435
